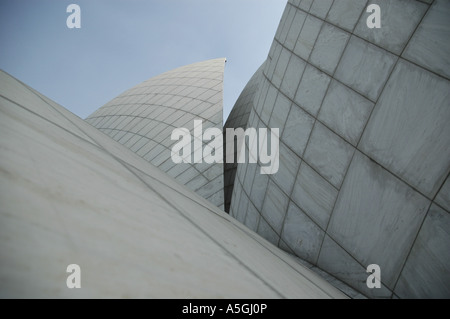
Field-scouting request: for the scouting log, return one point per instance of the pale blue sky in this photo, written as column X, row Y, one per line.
column 124, row 42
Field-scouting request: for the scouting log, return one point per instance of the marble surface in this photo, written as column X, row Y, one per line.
column 307, row 37
column 293, row 75
column 312, row 90
column 376, row 217
column 289, row 165
column 328, row 48
column 133, row 230
column 301, row 234
column 428, row 46
column 339, row 263
column 345, row 13
column 298, row 127
column 279, row 116
column 314, row 195
column 329, row 154
column 320, row 8
column 368, row 130
column 345, row 112
column 143, row 118
column 426, row 273
column 419, row 116
column 365, row 67
column 295, row 28
column 443, row 197
column 274, row 200
column 399, row 19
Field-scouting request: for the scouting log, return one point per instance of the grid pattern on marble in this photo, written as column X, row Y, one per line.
column 364, row 144
column 238, row 118
column 143, row 118
column 134, row 231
